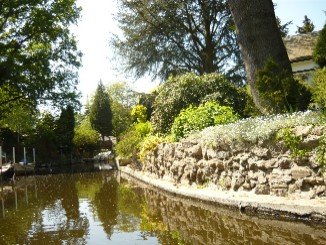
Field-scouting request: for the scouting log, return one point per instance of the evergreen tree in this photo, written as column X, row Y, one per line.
column 101, row 113
column 65, row 129
column 307, row 27
column 319, row 52
column 164, row 38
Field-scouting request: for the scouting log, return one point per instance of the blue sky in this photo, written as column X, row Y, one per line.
column 295, row 10
column 97, row 23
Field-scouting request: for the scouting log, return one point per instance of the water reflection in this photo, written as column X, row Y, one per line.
column 101, row 208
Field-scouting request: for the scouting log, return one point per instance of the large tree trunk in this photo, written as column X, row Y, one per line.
column 259, row 38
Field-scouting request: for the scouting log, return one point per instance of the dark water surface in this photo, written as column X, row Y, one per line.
column 104, row 208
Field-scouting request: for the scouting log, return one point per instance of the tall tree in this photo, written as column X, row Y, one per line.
column 307, row 26
column 172, row 37
column 65, row 129
column 39, row 56
column 259, row 38
column 100, row 112
column 123, row 98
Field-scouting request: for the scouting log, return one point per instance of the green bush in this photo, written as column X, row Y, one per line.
column 321, row 151
column 319, row 88
column 319, row 52
column 292, row 141
column 148, row 144
column 128, row 144
column 198, row 118
column 280, row 92
column 179, row 92
column 130, row 140
column 139, row 112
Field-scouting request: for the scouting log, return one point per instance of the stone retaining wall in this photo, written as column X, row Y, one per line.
column 262, row 168
column 211, row 225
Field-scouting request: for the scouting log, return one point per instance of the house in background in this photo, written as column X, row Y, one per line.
column 299, row 48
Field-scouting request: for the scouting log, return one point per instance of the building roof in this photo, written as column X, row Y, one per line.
column 299, row 47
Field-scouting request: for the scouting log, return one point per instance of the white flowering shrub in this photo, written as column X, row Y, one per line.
column 253, row 130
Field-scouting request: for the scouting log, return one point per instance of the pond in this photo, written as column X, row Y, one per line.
column 102, row 207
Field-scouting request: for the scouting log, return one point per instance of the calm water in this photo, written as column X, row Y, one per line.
column 104, row 208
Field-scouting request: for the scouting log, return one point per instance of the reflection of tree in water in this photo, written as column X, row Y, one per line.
column 40, row 201
column 57, row 195
column 130, row 206
column 153, row 224
column 106, row 204
column 135, row 205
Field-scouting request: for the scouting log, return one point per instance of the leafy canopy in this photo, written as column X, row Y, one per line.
column 164, row 38
column 179, row 92
column 38, row 54
column 122, row 99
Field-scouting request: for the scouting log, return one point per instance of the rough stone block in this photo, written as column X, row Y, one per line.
column 271, row 163
column 281, row 192
column 263, row 153
column 222, row 154
column 284, row 162
column 320, row 190
column 318, row 130
column 210, row 153
column 313, row 180
column 261, row 177
column 300, row 172
column 310, row 142
column 302, row 130
column 194, row 151
column 262, row 190
column 237, row 181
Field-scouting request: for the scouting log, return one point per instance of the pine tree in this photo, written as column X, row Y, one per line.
column 101, row 113
column 307, row 27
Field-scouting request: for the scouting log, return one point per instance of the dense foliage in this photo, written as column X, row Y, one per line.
column 198, row 118
column 38, row 53
column 319, row 52
column 307, row 26
column 86, row 139
column 164, row 38
column 319, row 88
column 44, row 140
column 139, row 113
column 130, row 140
column 256, row 129
column 147, row 100
column 179, row 92
column 64, row 130
column 100, row 112
column 278, row 92
column 122, row 99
